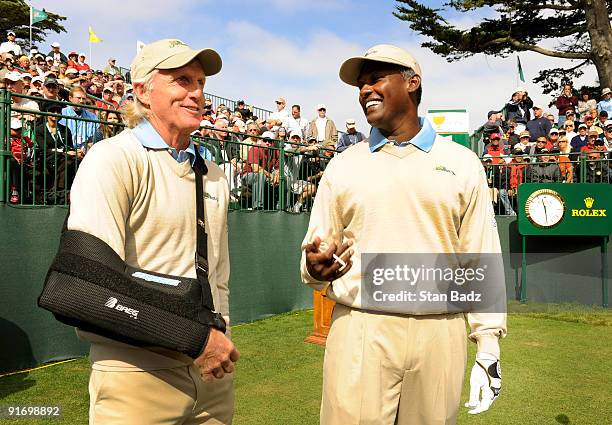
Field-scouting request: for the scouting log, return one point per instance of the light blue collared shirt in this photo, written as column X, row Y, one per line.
column 150, row 138
column 424, row 139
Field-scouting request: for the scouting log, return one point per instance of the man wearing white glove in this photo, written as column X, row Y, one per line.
column 403, row 190
column 486, row 379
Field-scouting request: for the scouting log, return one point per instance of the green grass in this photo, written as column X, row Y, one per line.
column 556, row 364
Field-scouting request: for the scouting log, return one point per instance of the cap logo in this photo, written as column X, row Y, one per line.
column 174, row 43
column 371, row 52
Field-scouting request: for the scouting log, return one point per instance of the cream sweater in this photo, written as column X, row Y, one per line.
column 405, row 200
column 142, row 203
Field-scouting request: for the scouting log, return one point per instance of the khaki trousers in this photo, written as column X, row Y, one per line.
column 159, row 397
column 386, row 369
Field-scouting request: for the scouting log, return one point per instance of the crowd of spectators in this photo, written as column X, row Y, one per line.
column 284, row 152
column 524, row 143
column 48, row 143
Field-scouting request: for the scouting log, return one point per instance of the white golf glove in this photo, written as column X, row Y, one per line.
column 485, row 377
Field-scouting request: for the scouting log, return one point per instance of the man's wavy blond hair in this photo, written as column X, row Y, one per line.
column 136, row 111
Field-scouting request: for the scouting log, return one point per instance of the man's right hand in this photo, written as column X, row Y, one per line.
column 218, row 358
column 322, row 266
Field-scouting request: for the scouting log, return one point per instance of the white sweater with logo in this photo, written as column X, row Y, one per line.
column 142, row 203
column 405, row 200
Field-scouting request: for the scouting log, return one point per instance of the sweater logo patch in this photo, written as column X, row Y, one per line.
column 444, row 169
column 209, row 196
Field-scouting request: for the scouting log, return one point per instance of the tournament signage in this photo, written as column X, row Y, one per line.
column 580, row 209
column 454, row 123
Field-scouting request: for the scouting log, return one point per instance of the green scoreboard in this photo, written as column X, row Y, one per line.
column 575, row 209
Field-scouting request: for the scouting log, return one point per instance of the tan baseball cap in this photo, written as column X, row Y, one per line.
column 386, row 53
column 350, row 123
column 171, row 53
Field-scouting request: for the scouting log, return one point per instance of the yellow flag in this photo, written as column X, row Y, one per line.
column 93, row 38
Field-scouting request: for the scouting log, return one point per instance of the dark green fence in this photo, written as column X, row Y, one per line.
column 261, row 283
column 505, row 174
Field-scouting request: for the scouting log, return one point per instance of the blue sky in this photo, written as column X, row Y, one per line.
column 294, row 48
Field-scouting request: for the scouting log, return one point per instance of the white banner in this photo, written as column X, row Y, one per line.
column 450, row 121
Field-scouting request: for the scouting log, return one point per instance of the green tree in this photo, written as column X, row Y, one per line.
column 15, row 16
column 580, row 29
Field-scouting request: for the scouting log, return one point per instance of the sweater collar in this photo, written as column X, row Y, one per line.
column 424, row 139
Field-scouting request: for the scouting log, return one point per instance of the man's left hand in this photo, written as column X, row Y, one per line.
column 485, row 378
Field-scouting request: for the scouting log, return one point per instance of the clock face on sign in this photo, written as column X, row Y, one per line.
column 545, row 208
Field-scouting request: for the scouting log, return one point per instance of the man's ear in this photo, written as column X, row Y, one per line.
column 413, row 83
column 142, row 94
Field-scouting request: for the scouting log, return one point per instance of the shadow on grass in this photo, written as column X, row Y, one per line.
column 563, row 419
column 15, row 383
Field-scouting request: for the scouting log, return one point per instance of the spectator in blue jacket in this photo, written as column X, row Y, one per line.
column 351, row 136
column 539, row 126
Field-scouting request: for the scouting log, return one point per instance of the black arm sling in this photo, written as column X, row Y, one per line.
column 90, row 287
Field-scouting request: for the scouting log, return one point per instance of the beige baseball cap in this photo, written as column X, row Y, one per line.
column 171, row 53
column 350, row 123
column 386, row 53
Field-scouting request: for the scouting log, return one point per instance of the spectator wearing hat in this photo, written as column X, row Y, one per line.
column 56, row 54
column 323, row 129
column 519, row 106
column 73, row 59
column 107, row 101
column 8, row 60
column 592, row 136
column 580, row 140
column 50, row 91
column 550, row 117
column 281, row 113
column 569, row 126
column 553, row 138
column 543, row 170
column 494, row 149
column 539, row 125
column 111, row 68
column 493, row 124
column 351, row 137
column 14, row 83
column 41, row 65
column 524, row 143
column 297, row 123
column 566, row 102
column 244, row 111
column 81, row 64
column 589, row 120
column 605, row 104
column 10, row 46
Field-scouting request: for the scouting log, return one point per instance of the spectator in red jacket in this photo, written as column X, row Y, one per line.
column 81, row 65
column 494, row 148
column 73, row 60
column 518, row 171
column 566, row 102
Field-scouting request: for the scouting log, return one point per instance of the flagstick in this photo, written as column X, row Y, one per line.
column 30, row 28
column 90, row 59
